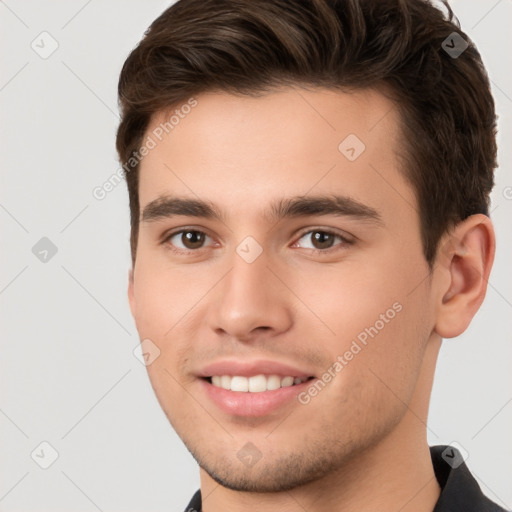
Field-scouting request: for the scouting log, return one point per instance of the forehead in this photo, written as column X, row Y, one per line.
column 240, row 150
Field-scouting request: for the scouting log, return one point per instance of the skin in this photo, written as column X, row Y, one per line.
column 360, row 444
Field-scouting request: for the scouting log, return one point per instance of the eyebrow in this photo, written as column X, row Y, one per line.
column 165, row 207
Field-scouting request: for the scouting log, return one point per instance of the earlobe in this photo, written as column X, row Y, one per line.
column 466, row 258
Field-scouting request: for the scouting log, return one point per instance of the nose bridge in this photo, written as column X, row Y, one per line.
column 249, row 296
column 247, row 284
column 249, row 272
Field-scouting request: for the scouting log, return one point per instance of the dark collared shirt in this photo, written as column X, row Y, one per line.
column 460, row 492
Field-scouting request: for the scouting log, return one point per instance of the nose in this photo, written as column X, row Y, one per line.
column 250, row 301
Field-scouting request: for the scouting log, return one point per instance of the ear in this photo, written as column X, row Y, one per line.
column 464, row 262
column 131, row 293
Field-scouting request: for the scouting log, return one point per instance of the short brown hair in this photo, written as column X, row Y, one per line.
column 249, row 47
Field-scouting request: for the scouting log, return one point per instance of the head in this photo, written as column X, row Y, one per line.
column 253, row 124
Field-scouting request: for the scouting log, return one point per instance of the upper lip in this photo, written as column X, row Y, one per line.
column 250, row 368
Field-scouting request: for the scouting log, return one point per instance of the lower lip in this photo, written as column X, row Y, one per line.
column 252, row 404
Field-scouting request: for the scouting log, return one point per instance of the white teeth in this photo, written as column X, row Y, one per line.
column 286, row 382
column 255, row 384
column 225, row 382
column 273, row 382
column 239, row 384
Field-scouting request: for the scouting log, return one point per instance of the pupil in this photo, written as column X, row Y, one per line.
column 322, row 240
column 192, row 239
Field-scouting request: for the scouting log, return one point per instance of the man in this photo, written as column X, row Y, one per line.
column 309, row 192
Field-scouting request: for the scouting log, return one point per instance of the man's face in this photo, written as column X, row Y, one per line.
column 303, row 290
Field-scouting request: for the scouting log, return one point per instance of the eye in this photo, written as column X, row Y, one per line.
column 322, row 240
column 186, row 240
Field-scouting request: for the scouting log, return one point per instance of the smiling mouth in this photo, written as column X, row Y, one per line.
column 254, row 384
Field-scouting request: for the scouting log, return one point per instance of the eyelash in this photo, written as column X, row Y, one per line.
column 341, row 246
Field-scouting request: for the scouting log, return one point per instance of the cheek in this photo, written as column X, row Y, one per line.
column 377, row 316
column 163, row 296
column 167, row 301
column 350, row 298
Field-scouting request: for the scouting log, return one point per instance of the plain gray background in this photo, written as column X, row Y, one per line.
column 69, row 376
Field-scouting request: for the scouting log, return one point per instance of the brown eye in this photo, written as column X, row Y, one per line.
column 187, row 240
column 321, row 240
column 192, row 239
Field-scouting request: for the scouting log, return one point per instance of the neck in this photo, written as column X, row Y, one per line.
column 395, row 474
